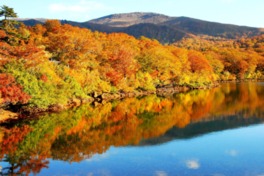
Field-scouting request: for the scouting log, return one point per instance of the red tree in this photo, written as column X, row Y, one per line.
column 10, row 91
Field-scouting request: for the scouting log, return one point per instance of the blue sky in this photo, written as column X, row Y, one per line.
column 240, row 12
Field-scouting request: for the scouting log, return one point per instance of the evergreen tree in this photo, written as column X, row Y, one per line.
column 7, row 12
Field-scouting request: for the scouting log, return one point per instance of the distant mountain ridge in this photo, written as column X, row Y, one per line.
column 129, row 19
column 164, row 28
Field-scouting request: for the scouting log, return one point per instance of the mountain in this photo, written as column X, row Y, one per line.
column 202, row 128
column 197, row 27
column 129, row 19
column 161, row 27
column 162, row 33
column 183, row 24
column 31, row 21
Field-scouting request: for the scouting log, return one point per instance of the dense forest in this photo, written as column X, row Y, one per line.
column 56, row 64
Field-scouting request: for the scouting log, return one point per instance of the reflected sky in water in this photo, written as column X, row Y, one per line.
column 231, row 152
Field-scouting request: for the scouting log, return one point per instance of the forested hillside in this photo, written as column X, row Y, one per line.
column 54, row 63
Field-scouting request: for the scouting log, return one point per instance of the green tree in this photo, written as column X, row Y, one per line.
column 7, row 13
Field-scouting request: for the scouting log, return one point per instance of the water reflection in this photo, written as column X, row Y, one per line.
column 84, row 132
column 193, row 164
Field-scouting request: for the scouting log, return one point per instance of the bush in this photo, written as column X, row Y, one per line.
column 44, row 93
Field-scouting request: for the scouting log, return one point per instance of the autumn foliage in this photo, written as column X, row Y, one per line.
column 54, row 63
column 10, row 91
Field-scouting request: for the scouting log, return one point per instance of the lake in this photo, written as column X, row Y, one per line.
column 214, row 132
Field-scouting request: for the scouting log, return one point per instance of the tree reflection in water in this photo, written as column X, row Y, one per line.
column 82, row 132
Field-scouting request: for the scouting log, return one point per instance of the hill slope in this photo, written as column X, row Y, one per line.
column 161, row 27
column 196, row 26
column 129, row 19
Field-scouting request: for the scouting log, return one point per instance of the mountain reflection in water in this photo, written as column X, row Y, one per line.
column 83, row 132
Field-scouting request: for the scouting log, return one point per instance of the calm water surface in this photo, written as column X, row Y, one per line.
column 207, row 132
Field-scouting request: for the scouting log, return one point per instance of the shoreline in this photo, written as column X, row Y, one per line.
column 97, row 99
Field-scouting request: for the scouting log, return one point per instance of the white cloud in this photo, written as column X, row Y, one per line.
column 98, row 157
column 232, row 153
column 78, row 7
column 192, row 164
column 160, row 173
